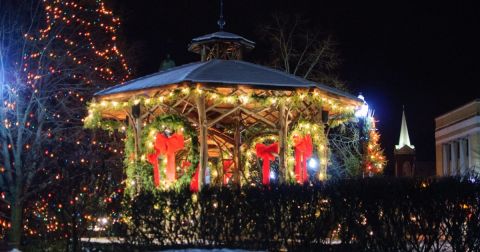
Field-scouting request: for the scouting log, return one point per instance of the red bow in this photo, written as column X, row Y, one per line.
column 265, row 152
column 227, row 174
column 185, row 165
column 194, row 182
column 166, row 146
column 303, row 151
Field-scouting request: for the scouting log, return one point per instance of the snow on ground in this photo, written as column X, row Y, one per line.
column 205, row 250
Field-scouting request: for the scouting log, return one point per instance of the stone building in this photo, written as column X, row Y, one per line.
column 457, row 141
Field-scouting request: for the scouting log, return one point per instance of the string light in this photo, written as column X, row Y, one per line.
column 375, row 159
column 82, row 39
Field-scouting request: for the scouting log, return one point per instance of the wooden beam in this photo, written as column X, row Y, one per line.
column 213, row 106
column 185, row 98
column 212, row 122
column 221, row 135
column 236, row 150
column 258, row 117
column 203, row 138
column 282, row 142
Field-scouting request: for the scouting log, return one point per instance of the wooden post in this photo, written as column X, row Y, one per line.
column 282, row 142
column 203, row 54
column 137, row 121
column 236, row 152
column 138, row 132
column 202, row 138
column 137, row 127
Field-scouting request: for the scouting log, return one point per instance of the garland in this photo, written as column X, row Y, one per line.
column 295, row 100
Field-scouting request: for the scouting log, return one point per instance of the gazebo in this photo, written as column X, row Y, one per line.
column 222, row 118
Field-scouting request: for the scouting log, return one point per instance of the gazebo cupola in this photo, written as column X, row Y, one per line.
column 221, row 44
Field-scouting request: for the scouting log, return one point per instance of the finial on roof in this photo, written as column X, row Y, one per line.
column 221, row 21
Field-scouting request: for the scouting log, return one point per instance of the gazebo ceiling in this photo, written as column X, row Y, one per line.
column 216, row 71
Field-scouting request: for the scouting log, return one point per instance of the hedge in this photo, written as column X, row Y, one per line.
column 374, row 214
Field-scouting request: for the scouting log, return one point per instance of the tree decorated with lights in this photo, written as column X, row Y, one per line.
column 53, row 55
column 374, row 159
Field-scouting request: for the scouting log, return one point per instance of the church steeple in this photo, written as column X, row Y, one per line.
column 404, row 139
column 404, row 152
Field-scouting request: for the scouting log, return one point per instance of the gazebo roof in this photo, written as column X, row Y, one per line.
column 222, row 37
column 233, row 72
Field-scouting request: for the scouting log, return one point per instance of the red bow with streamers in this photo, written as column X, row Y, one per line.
column 227, row 174
column 166, row 146
column 194, row 182
column 265, row 152
column 303, row 151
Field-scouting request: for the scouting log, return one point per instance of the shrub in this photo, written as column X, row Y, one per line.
column 374, row 214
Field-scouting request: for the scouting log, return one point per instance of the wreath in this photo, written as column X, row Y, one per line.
column 307, row 140
column 163, row 139
column 252, row 158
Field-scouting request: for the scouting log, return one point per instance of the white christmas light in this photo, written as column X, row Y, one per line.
column 272, row 174
column 312, row 164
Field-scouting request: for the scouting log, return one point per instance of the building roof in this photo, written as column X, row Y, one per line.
column 469, row 110
column 220, row 36
column 404, row 139
column 234, row 72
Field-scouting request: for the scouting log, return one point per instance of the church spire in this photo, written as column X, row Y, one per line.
column 404, row 138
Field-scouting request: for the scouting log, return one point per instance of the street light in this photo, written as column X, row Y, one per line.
column 362, row 112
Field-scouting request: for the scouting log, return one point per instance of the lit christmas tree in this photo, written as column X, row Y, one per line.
column 54, row 55
column 374, row 158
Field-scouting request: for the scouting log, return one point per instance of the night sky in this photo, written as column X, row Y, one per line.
column 423, row 56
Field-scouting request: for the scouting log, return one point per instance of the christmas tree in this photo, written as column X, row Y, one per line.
column 53, row 56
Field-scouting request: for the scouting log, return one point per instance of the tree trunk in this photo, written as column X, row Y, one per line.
column 16, row 218
column 74, row 234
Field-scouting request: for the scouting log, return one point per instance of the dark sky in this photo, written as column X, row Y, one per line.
column 423, row 55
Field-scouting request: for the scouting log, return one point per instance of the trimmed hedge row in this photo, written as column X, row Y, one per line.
column 375, row 214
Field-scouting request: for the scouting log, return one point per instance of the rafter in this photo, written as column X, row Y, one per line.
column 214, row 121
column 258, row 117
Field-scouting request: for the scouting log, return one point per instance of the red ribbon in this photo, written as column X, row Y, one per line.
column 303, row 151
column 194, row 182
column 265, row 152
column 185, row 165
column 227, row 174
column 166, row 146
